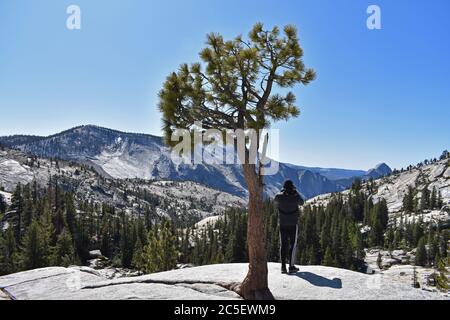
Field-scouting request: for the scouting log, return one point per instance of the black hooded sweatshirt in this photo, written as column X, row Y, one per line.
column 287, row 203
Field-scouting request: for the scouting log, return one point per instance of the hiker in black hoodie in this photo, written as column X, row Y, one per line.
column 288, row 202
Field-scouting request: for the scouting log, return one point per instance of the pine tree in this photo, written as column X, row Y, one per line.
column 328, row 259
column 368, row 205
column 126, row 243
column 389, row 239
column 433, row 250
column 17, row 205
column 433, row 199
column 64, row 251
column 48, row 236
column 169, row 249
column 232, row 250
column 425, row 200
column 218, row 258
column 8, row 253
column 152, row 256
column 417, row 233
column 235, row 91
column 194, row 257
column 33, row 255
column 408, row 200
column 105, row 237
column 421, row 253
column 185, row 246
column 2, row 204
column 439, row 201
column 138, row 262
column 442, row 282
column 383, row 213
column 376, row 227
column 70, row 213
column 28, row 213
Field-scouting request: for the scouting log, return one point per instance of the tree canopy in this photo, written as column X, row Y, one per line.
column 232, row 87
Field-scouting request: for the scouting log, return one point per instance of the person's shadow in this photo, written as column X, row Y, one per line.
column 320, row 281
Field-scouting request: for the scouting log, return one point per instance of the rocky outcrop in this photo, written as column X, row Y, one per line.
column 204, row 283
column 394, row 187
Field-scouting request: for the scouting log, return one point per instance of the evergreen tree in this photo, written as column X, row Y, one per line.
column 2, row 204
column 425, row 200
column 138, row 261
column 417, row 233
column 377, row 225
column 328, row 259
column 28, row 213
column 47, row 236
column 408, row 200
column 195, row 256
column 152, row 256
column 235, row 250
column 70, row 213
column 383, row 213
column 433, row 199
column 442, row 282
column 421, row 253
column 433, row 250
column 106, row 237
column 8, row 253
column 17, row 205
column 64, row 252
column 235, row 91
column 439, row 201
column 33, row 254
column 389, row 240
column 169, row 249
column 126, row 243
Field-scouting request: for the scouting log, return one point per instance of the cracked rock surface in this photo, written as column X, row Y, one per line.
column 203, row 283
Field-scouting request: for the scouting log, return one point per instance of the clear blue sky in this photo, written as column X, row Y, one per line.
column 380, row 95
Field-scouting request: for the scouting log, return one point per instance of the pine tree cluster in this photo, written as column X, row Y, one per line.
column 48, row 227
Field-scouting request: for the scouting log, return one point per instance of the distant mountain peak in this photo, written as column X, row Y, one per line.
column 382, row 166
column 380, row 170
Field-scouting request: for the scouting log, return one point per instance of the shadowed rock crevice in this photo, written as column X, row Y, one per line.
column 4, row 295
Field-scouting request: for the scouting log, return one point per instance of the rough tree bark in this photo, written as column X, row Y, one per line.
column 255, row 285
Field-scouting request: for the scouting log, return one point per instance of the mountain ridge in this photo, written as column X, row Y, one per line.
column 123, row 155
column 184, row 200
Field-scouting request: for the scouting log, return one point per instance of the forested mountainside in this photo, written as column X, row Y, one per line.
column 419, row 190
column 175, row 199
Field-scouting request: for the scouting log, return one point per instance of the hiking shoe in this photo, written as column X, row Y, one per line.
column 293, row 269
column 283, row 270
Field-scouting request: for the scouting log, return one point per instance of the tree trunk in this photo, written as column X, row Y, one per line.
column 255, row 285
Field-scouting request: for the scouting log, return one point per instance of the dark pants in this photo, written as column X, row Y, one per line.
column 288, row 244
